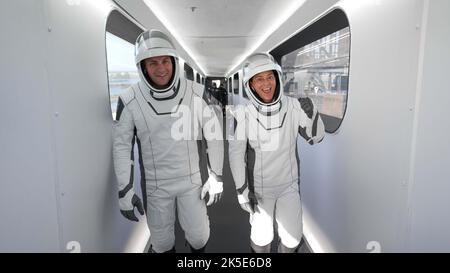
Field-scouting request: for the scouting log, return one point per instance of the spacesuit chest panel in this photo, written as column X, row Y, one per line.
column 167, row 153
column 164, row 106
column 270, row 121
column 160, row 115
column 273, row 147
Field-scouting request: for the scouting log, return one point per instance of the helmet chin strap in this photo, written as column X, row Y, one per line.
column 167, row 94
column 164, row 95
column 269, row 110
column 155, row 87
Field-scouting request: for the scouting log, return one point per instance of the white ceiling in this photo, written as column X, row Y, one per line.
column 218, row 34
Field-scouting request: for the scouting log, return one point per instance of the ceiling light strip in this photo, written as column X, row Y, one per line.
column 284, row 16
column 160, row 15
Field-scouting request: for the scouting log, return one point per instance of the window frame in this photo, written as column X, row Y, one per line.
column 236, row 88
column 331, row 22
column 121, row 26
column 189, row 72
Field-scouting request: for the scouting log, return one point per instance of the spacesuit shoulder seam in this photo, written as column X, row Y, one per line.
column 295, row 103
column 196, row 89
column 241, row 114
column 128, row 96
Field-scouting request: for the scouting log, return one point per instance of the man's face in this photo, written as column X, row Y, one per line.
column 264, row 84
column 159, row 69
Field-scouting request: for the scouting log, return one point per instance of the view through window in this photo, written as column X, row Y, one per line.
column 320, row 70
column 122, row 71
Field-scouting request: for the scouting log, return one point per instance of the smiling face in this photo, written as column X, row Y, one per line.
column 264, row 84
column 160, row 70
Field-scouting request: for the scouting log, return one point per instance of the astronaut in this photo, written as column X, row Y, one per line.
column 263, row 154
column 168, row 118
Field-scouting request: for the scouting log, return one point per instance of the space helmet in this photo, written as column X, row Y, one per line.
column 257, row 63
column 154, row 43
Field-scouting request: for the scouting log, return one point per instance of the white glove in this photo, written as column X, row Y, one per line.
column 247, row 201
column 214, row 187
column 247, row 207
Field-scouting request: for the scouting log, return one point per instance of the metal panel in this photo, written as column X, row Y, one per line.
column 28, row 210
column 355, row 183
column 430, row 200
column 79, row 87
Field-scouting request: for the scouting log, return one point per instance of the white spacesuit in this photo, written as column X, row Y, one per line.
column 264, row 160
column 169, row 125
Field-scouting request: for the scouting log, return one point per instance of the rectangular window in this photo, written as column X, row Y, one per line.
column 189, row 72
column 236, row 83
column 320, row 70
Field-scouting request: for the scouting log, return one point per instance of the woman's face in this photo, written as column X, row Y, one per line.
column 264, row 84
